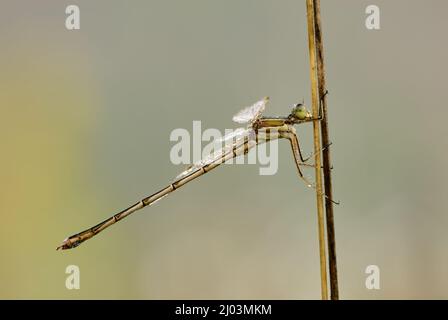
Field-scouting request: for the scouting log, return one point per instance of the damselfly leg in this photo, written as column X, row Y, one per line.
column 295, row 147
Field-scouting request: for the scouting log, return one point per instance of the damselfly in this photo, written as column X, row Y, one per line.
column 259, row 130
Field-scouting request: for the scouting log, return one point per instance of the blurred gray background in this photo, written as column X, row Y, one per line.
column 85, row 122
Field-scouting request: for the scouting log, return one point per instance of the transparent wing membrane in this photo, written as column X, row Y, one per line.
column 231, row 140
column 250, row 114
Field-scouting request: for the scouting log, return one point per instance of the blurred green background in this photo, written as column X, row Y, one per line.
column 85, row 122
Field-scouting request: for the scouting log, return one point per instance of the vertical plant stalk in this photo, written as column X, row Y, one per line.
column 328, row 189
column 317, row 148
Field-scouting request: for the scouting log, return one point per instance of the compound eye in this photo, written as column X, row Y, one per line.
column 300, row 112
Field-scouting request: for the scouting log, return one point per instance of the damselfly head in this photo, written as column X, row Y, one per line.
column 300, row 112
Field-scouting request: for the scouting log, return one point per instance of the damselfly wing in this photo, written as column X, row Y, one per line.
column 251, row 113
column 229, row 142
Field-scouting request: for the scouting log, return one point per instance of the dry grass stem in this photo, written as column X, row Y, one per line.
column 317, row 147
column 328, row 189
